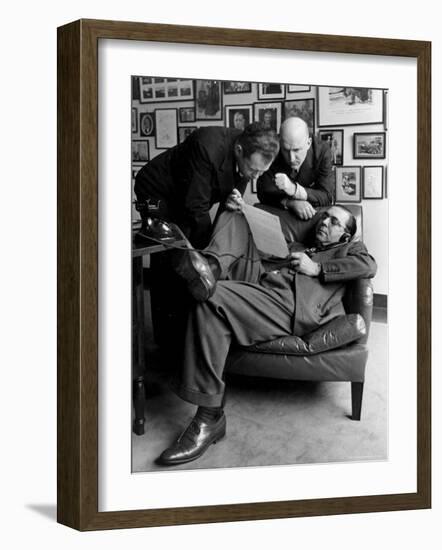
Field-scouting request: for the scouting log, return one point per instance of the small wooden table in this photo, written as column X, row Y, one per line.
column 139, row 251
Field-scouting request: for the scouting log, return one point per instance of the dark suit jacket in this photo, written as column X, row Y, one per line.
column 190, row 178
column 319, row 299
column 315, row 174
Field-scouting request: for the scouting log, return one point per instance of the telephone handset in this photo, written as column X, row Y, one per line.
column 153, row 226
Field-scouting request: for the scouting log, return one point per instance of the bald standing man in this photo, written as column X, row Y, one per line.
column 300, row 178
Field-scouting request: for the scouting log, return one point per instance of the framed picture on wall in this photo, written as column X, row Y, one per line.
column 184, row 132
column 297, row 88
column 373, row 182
column 271, row 90
column 147, row 124
column 140, row 150
column 269, row 114
column 209, row 103
column 238, row 116
column 335, row 140
column 166, row 134
column 302, row 108
column 159, row 89
column 342, row 106
column 187, row 114
column 232, row 87
column 134, row 120
column 348, row 183
column 369, row 145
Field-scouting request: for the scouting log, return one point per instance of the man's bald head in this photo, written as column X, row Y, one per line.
column 295, row 141
column 294, row 126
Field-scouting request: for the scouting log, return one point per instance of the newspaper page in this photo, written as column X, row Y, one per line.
column 266, row 231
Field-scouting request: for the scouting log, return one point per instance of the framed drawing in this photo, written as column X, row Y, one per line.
column 238, row 116
column 269, row 114
column 373, row 182
column 369, row 145
column 271, row 90
column 209, row 100
column 344, row 106
column 165, row 128
column 335, row 140
column 147, row 124
column 232, row 87
column 140, row 150
column 96, row 488
column 348, row 184
column 302, row 108
column 297, row 88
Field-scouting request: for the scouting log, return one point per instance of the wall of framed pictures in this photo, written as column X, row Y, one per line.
column 352, row 121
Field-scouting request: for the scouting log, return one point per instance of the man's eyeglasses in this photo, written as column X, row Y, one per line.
column 333, row 220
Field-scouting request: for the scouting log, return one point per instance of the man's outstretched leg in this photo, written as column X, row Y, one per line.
column 240, row 313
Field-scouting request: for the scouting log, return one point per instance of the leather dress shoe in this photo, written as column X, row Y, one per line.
column 194, row 441
column 195, row 270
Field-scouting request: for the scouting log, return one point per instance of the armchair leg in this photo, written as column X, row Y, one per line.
column 357, row 389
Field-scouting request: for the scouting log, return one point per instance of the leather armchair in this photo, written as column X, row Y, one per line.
column 336, row 351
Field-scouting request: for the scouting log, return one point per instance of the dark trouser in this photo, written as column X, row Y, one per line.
column 241, row 312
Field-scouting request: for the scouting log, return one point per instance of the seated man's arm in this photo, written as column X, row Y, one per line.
column 357, row 264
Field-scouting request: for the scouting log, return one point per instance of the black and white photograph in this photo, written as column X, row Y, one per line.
column 271, row 90
column 224, row 351
column 297, row 88
column 140, row 150
column 335, row 140
column 268, row 114
column 238, row 116
column 348, row 184
column 373, row 182
column 302, row 108
column 134, row 120
column 208, row 98
column 159, row 89
column 184, row 132
column 147, row 124
column 187, row 114
column 369, row 145
column 346, row 106
column 232, row 87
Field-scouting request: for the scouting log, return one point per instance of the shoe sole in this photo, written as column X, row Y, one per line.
column 186, row 460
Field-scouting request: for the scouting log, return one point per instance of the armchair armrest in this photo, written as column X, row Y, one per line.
column 334, row 334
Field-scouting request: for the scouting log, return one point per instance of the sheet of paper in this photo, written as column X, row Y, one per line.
column 266, row 231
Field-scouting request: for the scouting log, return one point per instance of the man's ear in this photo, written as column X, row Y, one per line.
column 345, row 237
column 309, row 142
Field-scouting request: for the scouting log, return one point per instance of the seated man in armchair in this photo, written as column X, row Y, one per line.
column 253, row 302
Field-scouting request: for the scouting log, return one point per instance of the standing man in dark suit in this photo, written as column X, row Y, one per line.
column 190, row 178
column 301, row 176
column 258, row 303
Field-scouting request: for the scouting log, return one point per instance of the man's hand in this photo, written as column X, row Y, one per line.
column 301, row 263
column 302, row 209
column 234, row 201
column 283, row 183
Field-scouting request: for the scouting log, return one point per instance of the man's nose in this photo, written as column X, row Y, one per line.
column 292, row 156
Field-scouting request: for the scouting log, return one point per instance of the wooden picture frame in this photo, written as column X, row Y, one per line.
column 297, row 88
column 348, row 184
column 160, row 89
column 208, row 100
column 369, row 145
column 187, row 114
column 302, row 108
column 147, row 124
column 269, row 114
column 78, row 201
column 373, row 182
column 271, row 90
column 231, row 87
column 343, row 106
column 238, row 116
column 335, row 139
column 140, row 150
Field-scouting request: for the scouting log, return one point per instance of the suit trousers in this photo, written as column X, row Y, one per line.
column 242, row 311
